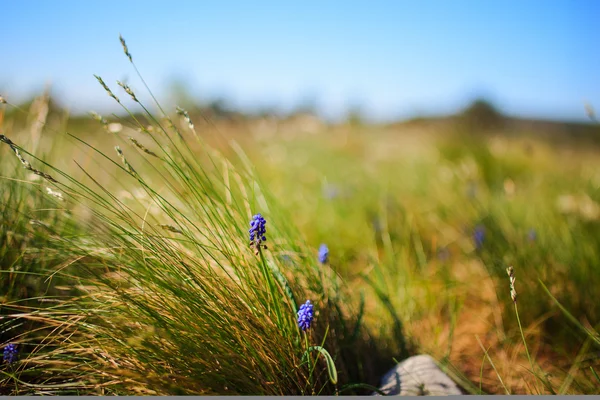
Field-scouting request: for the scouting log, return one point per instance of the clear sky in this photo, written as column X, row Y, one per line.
column 396, row 58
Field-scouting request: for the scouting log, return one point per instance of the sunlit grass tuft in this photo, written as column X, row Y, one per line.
column 127, row 264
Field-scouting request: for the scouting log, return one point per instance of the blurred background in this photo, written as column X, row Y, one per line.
column 387, row 60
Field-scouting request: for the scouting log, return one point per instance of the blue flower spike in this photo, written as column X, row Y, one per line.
column 323, row 254
column 257, row 232
column 305, row 315
column 10, row 353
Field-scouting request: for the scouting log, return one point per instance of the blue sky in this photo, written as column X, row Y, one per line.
column 396, row 59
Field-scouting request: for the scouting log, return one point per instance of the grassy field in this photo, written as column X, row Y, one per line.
column 126, row 266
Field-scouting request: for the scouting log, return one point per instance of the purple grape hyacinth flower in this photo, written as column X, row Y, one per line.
column 443, row 254
column 331, row 192
column 257, row 232
column 323, row 254
column 305, row 315
column 479, row 236
column 10, row 353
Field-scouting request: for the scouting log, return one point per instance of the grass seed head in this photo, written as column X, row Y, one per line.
column 128, row 166
column 100, row 119
column 128, row 90
column 185, row 115
column 25, row 163
column 170, row 228
column 142, row 147
column 56, row 194
column 589, row 110
column 511, row 277
column 125, row 48
column 105, row 86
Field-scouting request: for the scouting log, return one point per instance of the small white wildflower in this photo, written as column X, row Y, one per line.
column 115, row 127
column 567, row 203
column 589, row 209
column 509, row 187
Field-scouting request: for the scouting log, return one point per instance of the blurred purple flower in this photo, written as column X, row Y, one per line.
column 330, row 191
column 479, row 236
column 472, row 190
column 286, row 259
column 443, row 254
column 323, row 254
